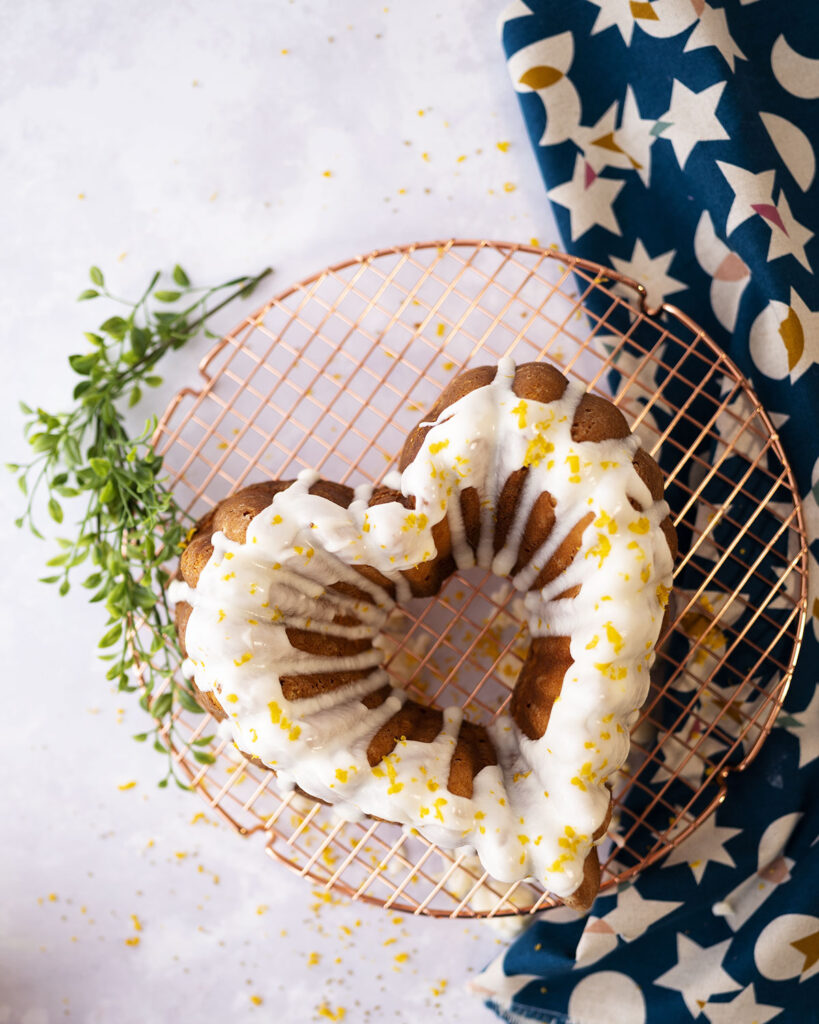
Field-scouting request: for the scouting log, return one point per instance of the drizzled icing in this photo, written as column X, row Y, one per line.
column 535, row 812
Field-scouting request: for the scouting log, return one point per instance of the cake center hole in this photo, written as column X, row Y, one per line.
column 465, row 647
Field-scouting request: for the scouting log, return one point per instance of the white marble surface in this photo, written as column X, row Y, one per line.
column 135, row 136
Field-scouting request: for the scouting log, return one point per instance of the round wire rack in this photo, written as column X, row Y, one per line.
column 334, row 372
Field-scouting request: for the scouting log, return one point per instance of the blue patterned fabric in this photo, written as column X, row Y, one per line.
column 677, row 142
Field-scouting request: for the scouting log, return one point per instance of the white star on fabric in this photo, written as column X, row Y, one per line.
column 704, row 845
column 634, row 136
column 588, row 198
column 496, row 984
column 698, row 973
column 634, row 914
column 691, row 119
column 742, row 1010
column 617, row 13
column 749, row 190
column 807, row 731
column 792, row 240
column 650, row 271
column 712, row 30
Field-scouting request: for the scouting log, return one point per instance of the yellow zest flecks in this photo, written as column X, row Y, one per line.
column 229, row 576
column 392, row 774
column 256, row 1000
column 127, row 785
column 614, row 638
column 601, row 550
column 432, row 785
column 604, row 520
column 438, row 446
column 221, row 615
column 438, row 804
column 608, row 668
column 520, row 412
column 413, row 521
column 329, row 1014
column 662, row 595
column 537, row 450
column 573, row 462
column 645, row 573
column 275, row 712
column 245, row 658
column 228, row 555
column 641, row 525
column 313, row 959
column 232, row 698
column 254, row 736
column 134, row 941
column 595, row 640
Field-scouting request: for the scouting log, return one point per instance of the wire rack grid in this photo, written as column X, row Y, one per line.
column 334, row 372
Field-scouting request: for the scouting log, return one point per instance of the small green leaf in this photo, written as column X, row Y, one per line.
column 71, row 449
column 55, row 510
column 134, row 397
column 203, row 757
column 111, row 637
column 162, row 705
column 153, row 381
column 96, row 276
column 115, row 326
column 140, row 339
column 84, row 364
column 140, row 737
column 88, row 293
column 165, row 296
column 187, row 702
column 180, row 276
column 22, row 483
column 102, row 467
column 25, row 409
column 65, row 586
column 108, row 493
column 203, row 741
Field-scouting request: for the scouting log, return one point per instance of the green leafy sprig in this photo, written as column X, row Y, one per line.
column 130, row 527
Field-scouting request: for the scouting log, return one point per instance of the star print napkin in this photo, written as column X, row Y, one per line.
column 677, row 143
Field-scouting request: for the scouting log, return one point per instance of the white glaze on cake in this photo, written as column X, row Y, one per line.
column 534, row 813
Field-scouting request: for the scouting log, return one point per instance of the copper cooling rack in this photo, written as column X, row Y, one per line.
column 332, row 373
